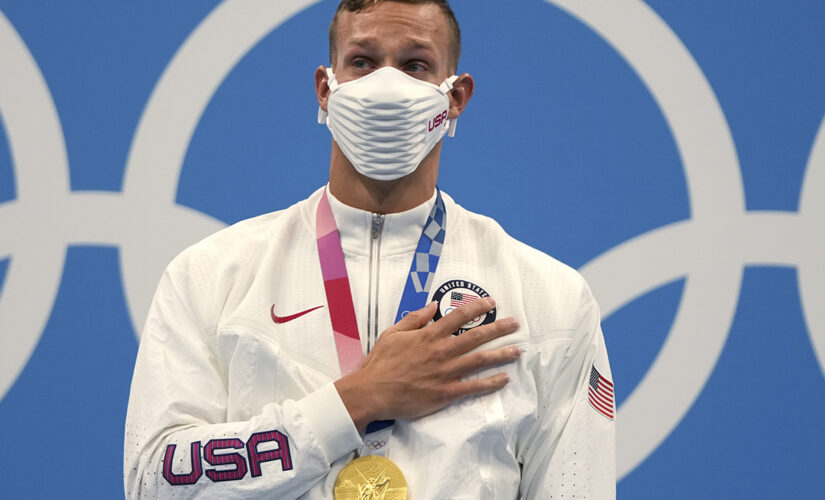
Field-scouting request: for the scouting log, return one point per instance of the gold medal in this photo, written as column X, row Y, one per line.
column 372, row 477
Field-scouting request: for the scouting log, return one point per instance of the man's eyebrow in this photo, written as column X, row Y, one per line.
column 362, row 42
column 419, row 43
column 411, row 42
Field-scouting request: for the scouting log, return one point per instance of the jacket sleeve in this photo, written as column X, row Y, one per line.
column 178, row 443
column 573, row 451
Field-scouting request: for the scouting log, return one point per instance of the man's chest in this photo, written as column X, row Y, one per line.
column 276, row 342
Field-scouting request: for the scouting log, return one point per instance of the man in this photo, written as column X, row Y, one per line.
column 250, row 381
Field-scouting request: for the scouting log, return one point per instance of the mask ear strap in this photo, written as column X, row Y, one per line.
column 451, row 127
column 447, row 86
column 333, row 84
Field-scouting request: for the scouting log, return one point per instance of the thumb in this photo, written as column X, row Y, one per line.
column 416, row 319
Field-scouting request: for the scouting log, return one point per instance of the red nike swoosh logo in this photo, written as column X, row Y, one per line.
column 283, row 319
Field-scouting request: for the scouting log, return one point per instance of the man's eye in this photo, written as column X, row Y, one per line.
column 360, row 63
column 415, row 67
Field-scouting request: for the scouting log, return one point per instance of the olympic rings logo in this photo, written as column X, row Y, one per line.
column 146, row 209
column 468, row 324
column 374, row 445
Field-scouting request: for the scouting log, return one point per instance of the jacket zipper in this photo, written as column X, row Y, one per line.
column 375, row 257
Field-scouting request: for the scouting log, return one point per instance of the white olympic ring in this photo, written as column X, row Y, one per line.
column 146, row 210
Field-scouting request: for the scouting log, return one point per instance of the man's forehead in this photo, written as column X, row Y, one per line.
column 421, row 25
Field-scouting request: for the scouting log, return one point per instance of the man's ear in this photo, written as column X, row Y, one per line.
column 460, row 95
column 322, row 86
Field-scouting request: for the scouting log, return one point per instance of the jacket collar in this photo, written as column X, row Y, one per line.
column 400, row 232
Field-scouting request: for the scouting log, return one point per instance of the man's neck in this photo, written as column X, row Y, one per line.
column 383, row 197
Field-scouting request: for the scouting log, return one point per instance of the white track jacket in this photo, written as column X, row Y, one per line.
column 228, row 403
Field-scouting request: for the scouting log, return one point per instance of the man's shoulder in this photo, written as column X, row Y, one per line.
column 244, row 242
column 536, row 269
column 488, row 233
column 236, row 238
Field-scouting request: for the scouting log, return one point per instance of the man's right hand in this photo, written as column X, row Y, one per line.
column 417, row 368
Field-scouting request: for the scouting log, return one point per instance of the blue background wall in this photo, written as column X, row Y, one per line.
column 669, row 150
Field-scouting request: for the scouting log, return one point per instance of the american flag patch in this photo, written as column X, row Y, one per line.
column 600, row 393
column 458, row 299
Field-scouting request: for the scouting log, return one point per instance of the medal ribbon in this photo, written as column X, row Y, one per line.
column 339, row 295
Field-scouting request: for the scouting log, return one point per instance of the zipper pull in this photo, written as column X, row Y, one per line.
column 377, row 224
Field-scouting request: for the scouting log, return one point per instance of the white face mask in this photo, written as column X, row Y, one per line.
column 386, row 122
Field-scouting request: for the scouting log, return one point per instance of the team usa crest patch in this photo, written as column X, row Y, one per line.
column 454, row 294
